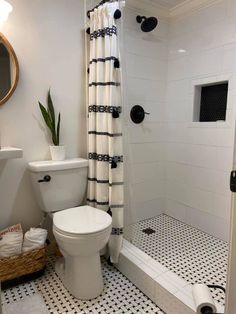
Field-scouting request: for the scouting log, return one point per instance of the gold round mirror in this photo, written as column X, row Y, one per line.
column 9, row 70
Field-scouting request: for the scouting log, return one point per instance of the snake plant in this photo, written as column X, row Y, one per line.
column 49, row 118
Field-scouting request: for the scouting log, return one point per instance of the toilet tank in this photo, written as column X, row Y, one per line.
column 59, row 185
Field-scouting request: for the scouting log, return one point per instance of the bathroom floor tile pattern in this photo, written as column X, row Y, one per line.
column 192, row 254
column 119, row 295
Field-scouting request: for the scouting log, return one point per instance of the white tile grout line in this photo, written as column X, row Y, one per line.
column 172, row 283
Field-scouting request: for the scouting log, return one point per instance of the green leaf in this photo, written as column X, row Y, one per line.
column 49, row 118
column 51, row 111
column 46, row 116
column 58, row 128
column 48, row 122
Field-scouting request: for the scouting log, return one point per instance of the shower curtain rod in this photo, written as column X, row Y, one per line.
column 99, row 4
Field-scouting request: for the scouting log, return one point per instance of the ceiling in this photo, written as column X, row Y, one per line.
column 169, row 4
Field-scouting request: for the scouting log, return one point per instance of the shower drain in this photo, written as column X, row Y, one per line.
column 148, row 231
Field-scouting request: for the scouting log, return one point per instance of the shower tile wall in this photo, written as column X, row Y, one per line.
column 145, row 57
column 173, row 165
column 202, row 47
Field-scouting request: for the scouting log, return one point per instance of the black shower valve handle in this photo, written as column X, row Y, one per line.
column 137, row 114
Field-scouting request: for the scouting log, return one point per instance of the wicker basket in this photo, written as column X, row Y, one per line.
column 23, row 264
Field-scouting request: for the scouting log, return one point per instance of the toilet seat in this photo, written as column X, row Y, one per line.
column 81, row 220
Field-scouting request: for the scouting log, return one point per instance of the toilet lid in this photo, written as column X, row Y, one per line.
column 81, row 220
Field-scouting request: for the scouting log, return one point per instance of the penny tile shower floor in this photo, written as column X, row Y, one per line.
column 119, row 296
column 192, row 254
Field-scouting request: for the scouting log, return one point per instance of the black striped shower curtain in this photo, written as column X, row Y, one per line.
column 105, row 181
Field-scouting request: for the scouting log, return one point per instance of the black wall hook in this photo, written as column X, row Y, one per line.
column 117, row 14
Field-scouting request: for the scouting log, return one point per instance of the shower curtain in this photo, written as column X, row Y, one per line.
column 105, row 180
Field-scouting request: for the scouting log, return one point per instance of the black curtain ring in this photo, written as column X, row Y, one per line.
column 88, row 30
column 117, row 14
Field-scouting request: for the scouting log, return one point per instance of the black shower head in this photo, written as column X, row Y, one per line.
column 148, row 23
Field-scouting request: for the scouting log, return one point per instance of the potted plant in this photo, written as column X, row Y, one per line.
column 57, row 150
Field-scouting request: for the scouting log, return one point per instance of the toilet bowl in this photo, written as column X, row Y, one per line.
column 80, row 231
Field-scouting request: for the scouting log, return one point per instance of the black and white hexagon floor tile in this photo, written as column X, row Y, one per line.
column 119, row 295
column 191, row 253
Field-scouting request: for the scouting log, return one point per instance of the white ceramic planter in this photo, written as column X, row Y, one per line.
column 58, row 152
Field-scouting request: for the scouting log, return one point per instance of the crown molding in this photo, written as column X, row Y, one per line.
column 189, row 6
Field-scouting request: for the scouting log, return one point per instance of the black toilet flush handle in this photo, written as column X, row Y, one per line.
column 46, row 178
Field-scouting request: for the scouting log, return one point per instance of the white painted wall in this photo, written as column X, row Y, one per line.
column 145, row 65
column 48, row 38
column 200, row 155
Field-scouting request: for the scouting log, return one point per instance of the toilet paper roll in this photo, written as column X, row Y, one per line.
column 202, row 298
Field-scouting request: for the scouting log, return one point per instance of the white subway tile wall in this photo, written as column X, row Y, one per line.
column 179, row 166
column 200, row 157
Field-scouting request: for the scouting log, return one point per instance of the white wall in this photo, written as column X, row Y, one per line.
column 200, row 155
column 145, row 64
column 48, row 38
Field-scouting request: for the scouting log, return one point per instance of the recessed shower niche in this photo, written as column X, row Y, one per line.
column 210, row 102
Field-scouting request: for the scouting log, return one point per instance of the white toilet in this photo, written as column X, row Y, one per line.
column 80, row 231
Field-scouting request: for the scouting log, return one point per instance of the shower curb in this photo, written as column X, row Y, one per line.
column 166, row 289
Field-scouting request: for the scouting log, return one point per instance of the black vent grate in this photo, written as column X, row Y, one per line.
column 213, row 102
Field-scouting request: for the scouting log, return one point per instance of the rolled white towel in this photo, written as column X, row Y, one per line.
column 11, row 240
column 34, row 239
column 11, row 244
